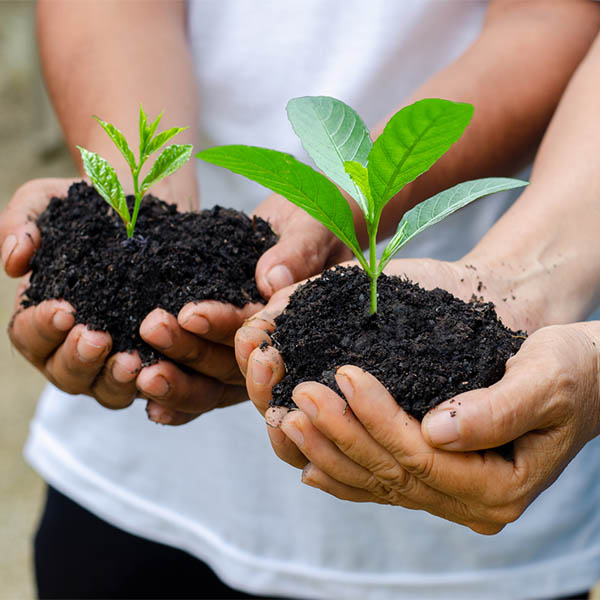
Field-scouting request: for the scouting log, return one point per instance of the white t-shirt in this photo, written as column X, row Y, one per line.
column 214, row 487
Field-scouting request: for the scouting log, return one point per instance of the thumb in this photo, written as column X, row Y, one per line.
column 19, row 235
column 305, row 248
column 489, row 417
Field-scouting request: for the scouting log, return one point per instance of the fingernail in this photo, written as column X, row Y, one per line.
column 160, row 337
column 345, row 385
column 274, row 415
column 306, row 405
column 293, row 433
column 8, row 247
column 243, row 347
column 442, row 427
column 121, row 374
column 89, row 348
column 306, row 475
column 63, row 320
column 158, row 387
column 158, row 414
column 197, row 324
column 279, row 277
column 277, row 436
column 29, row 233
column 261, row 374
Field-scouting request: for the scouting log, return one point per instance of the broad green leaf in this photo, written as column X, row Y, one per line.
column 168, row 161
column 299, row 183
column 360, row 176
column 120, row 142
column 438, row 207
column 412, row 141
column 331, row 133
column 105, row 181
column 161, row 139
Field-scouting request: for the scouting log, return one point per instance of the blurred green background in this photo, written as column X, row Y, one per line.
column 30, row 147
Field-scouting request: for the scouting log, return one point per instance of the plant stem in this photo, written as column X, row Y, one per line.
column 137, row 202
column 373, row 285
column 372, row 232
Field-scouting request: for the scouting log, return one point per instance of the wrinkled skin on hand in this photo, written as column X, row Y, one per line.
column 364, row 448
column 200, row 337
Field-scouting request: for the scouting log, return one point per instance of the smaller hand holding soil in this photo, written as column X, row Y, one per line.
column 201, row 372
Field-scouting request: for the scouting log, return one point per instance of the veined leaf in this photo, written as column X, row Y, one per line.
column 105, row 181
column 438, row 207
column 161, row 139
column 360, row 176
column 168, row 161
column 120, row 142
column 412, row 141
column 299, row 183
column 332, row 133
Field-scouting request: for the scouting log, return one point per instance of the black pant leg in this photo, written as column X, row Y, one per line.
column 78, row 555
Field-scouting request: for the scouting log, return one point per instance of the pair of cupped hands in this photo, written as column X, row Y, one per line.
column 361, row 446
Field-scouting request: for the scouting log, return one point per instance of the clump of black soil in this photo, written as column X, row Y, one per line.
column 424, row 346
column 174, row 258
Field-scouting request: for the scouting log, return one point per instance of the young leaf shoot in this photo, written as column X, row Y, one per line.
column 104, row 177
column 339, row 143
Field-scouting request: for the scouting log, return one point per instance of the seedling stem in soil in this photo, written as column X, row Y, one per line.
column 104, row 177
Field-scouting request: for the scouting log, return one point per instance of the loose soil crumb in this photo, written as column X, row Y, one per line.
column 174, row 258
column 424, row 346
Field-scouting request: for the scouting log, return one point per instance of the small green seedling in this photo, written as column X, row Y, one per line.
column 372, row 173
column 105, row 179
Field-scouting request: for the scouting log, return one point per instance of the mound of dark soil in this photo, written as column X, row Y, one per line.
column 174, row 258
column 424, row 346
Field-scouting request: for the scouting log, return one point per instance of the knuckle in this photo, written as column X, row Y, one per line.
column 503, row 515
column 233, row 376
column 421, row 466
column 112, row 402
column 398, row 481
column 349, row 445
column 111, row 394
column 71, row 387
column 12, row 334
column 16, row 340
column 391, row 476
column 309, row 254
column 230, row 394
column 376, row 487
column 521, row 484
column 198, row 353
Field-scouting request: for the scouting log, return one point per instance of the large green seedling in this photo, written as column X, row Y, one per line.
column 105, row 180
column 337, row 140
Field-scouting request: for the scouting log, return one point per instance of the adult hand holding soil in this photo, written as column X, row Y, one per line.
column 548, row 401
column 202, row 335
column 372, row 451
column 264, row 367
